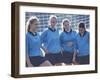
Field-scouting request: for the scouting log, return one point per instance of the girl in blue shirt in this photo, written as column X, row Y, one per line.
column 68, row 39
column 83, row 45
column 34, row 55
column 51, row 42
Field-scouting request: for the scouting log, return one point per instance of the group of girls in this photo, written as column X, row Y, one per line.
column 67, row 47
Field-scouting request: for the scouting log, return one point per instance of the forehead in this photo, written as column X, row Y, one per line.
column 33, row 21
column 81, row 28
column 66, row 22
column 53, row 18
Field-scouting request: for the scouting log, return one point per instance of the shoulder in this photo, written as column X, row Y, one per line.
column 77, row 34
column 38, row 34
column 74, row 32
column 46, row 30
column 28, row 34
column 62, row 33
column 88, row 32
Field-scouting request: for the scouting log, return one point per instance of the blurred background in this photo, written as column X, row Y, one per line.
column 44, row 18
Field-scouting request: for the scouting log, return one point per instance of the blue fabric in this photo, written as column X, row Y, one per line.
column 65, row 38
column 83, row 44
column 51, row 41
column 33, row 44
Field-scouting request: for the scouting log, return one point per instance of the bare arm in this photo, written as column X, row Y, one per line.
column 28, row 61
column 74, row 56
column 44, row 49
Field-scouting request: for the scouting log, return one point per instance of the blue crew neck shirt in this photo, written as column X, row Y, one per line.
column 83, row 44
column 33, row 44
column 51, row 40
column 66, row 38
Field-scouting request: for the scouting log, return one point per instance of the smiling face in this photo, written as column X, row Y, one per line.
column 53, row 22
column 81, row 31
column 33, row 25
column 66, row 25
column 82, row 28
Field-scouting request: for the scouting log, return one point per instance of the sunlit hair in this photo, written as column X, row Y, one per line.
column 63, row 21
column 30, row 21
column 52, row 16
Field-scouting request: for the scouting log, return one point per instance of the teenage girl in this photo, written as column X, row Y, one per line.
column 83, row 45
column 34, row 55
column 68, row 42
column 51, row 42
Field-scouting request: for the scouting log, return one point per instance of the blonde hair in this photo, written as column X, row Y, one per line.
column 31, row 20
column 52, row 16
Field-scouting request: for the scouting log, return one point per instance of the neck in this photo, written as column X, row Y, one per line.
column 82, row 34
column 52, row 28
column 67, row 30
column 33, row 31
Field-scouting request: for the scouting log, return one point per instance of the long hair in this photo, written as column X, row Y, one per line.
column 30, row 21
column 63, row 21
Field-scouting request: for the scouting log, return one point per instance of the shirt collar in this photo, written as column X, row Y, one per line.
column 68, row 32
column 53, row 30
column 83, row 34
column 33, row 34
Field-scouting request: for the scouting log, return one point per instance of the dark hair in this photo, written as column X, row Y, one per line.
column 81, row 25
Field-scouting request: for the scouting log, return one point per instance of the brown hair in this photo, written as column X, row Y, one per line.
column 31, row 21
column 63, row 21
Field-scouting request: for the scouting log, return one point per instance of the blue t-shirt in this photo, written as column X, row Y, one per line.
column 33, row 44
column 50, row 40
column 68, row 40
column 83, row 44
